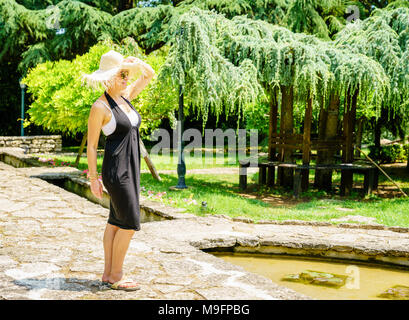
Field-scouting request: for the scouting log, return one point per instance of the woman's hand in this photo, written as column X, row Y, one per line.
column 96, row 188
column 131, row 59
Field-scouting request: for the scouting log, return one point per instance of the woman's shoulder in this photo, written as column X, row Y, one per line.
column 101, row 98
column 103, row 109
column 101, row 102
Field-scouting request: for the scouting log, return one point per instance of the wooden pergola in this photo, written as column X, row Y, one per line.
column 283, row 144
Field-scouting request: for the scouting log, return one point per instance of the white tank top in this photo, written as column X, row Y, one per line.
column 109, row 128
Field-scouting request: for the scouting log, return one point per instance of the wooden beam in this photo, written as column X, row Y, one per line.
column 148, row 161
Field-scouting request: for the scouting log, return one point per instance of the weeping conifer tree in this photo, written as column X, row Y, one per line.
column 110, row 6
column 19, row 27
column 301, row 64
column 210, row 82
column 271, row 11
column 321, row 18
column 358, row 82
column 384, row 37
column 32, row 33
column 292, row 68
column 398, row 4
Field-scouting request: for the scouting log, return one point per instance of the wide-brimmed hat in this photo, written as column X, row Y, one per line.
column 111, row 62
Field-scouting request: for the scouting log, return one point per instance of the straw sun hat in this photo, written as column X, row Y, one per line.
column 110, row 63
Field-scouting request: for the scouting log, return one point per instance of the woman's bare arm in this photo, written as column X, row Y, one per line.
column 138, row 85
column 95, row 120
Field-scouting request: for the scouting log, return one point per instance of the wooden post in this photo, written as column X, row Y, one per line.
column 368, row 181
column 262, row 175
column 358, row 140
column 322, row 124
column 331, row 132
column 297, row 183
column 348, row 154
column 281, row 149
column 243, row 176
column 352, row 119
column 270, row 175
column 286, row 127
column 323, row 177
column 272, row 130
column 345, row 176
column 306, row 144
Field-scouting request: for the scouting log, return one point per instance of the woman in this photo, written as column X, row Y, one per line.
column 113, row 113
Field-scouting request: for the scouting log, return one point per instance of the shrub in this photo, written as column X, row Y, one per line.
column 406, row 151
column 388, row 154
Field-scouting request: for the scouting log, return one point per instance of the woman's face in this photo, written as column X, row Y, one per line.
column 121, row 79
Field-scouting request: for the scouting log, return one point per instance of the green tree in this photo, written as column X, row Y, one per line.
column 384, row 37
column 111, row 6
column 211, row 83
column 395, row 4
column 32, row 33
column 320, row 18
column 291, row 68
column 61, row 103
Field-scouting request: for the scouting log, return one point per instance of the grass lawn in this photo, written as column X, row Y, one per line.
column 222, row 194
column 164, row 162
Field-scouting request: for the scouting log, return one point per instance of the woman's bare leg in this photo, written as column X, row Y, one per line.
column 109, row 236
column 120, row 245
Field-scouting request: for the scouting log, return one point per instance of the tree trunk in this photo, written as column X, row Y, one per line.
column 273, row 125
column 377, row 134
column 322, row 123
column 324, row 177
column 306, row 143
column 81, row 149
column 359, row 136
column 348, row 154
column 125, row 5
column 286, row 127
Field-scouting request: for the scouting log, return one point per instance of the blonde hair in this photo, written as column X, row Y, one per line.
column 96, row 84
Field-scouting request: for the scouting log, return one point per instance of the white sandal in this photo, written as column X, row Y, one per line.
column 117, row 285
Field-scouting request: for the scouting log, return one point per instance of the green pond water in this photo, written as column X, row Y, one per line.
column 363, row 281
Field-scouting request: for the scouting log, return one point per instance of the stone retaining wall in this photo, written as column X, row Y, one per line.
column 33, row 144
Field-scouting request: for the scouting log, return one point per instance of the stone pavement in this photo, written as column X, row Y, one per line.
column 51, row 248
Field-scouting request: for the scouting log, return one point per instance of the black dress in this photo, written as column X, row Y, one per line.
column 121, row 169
